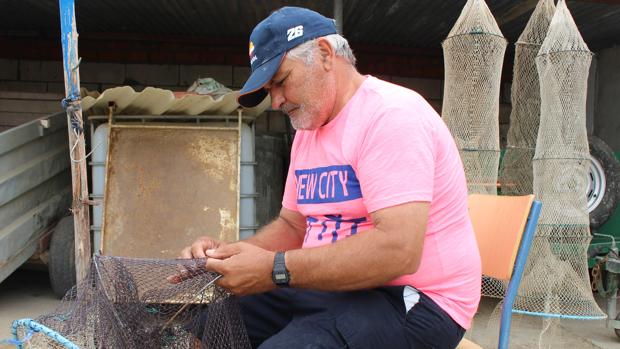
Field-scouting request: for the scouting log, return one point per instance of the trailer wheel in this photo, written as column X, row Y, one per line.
column 62, row 257
column 604, row 182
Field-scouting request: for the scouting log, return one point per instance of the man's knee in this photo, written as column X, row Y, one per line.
column 266, row 314
column 307, row 334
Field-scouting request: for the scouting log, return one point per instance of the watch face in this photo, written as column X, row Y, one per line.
column 280, row 277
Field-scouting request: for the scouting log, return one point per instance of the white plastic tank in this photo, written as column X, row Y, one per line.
column 98, row 159
column 247, row 204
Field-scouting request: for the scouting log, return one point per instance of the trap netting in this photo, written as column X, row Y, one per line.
column 140, row 303
column 516, row 171
column 473, row 57
column 556, row 281
column 515, row 174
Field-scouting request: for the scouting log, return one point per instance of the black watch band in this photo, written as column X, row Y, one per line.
column 280, row 274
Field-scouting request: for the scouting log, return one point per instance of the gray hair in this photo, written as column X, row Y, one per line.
column 305, row 51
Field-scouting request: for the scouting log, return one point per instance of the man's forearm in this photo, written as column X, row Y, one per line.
column 279, row 235
column 367, row 260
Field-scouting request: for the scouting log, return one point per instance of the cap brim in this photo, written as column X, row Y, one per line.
column 253, row 92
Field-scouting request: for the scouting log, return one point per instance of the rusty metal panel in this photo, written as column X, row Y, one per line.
column 168, row 185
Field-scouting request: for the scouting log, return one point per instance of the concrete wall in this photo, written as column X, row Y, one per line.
column 47, row 76
column 46, row 79
column 607, row 107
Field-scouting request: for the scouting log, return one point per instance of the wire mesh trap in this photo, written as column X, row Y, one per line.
column 547, row 155
column 556, row 281
column 516, row 176
column 140, row 303
column 473, row 57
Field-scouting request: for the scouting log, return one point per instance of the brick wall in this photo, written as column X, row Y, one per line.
column 34, row 88
column 46, row 78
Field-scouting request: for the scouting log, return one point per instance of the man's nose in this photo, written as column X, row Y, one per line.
column 277, row 98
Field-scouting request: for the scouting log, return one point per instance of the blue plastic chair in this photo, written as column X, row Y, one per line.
column 504, row 228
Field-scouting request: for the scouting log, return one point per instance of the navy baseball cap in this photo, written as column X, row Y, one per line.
column 283, row 30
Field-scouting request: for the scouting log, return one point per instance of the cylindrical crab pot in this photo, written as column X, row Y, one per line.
column 473, row 56
column 516, row 177
column 556, row 282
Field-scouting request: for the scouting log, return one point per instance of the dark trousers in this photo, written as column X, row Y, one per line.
column 295, row 318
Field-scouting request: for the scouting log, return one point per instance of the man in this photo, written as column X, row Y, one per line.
column 373, row 247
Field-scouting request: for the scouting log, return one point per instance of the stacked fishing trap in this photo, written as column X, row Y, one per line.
column 474, row 55
column 547, row 152
column 140, row 303
column 516, row 175
column 556, row 281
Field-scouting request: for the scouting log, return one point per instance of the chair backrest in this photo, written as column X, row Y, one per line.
column 499, row 222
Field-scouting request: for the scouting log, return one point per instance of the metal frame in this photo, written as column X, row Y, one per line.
column 96, row 120
column 143, row 125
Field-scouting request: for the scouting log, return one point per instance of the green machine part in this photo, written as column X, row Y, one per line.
column 601, row 243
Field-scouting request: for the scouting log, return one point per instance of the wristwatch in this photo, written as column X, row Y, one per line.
column 280, row 274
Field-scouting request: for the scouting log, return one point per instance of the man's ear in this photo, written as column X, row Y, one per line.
column 326, row 54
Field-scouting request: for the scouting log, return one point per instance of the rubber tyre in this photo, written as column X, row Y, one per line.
column 602, row 208
column 62, row 257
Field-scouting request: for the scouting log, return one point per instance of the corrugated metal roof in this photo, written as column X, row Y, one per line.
column 157, row 101
column 403, row 23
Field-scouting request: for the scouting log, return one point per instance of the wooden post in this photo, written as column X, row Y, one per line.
column 77, row 149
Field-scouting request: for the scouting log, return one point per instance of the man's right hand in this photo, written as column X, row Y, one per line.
column 199, row 247
column 196, row 250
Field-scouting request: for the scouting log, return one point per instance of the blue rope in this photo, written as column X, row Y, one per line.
column 33, row 327
column 69, row 105
column 16, row 342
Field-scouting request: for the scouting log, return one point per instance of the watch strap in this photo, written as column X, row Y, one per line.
column 280, row 274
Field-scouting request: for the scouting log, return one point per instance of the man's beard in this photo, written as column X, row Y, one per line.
column 301, row 118
column 306, row 116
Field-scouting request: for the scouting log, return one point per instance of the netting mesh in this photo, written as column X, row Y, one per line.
column 473, row 56
column 516, row 175
column 556, row 280
column 143, row 303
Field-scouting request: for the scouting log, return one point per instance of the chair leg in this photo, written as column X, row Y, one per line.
column 517, row 274
column 504, row 326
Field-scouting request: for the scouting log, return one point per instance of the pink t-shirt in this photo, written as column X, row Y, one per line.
column 387, row 147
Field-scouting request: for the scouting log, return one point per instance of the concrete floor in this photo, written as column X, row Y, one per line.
column 24, row 294
column 27, row 293
column 533, row 332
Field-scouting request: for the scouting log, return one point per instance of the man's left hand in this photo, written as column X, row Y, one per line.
column 245, row 268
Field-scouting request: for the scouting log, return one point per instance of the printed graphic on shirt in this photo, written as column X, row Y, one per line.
column 331, row 226
column 327, row 185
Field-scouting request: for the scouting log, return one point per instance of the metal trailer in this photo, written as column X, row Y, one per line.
column 35, row 189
